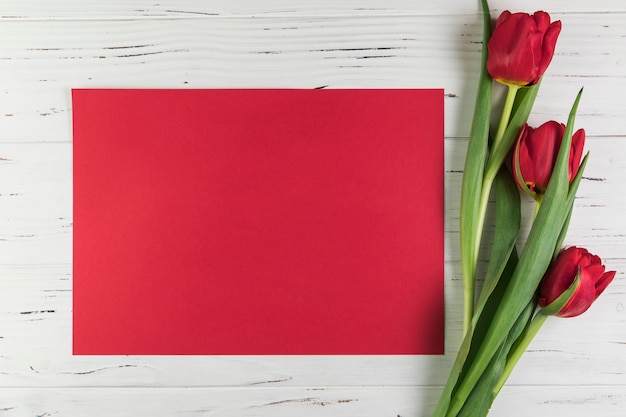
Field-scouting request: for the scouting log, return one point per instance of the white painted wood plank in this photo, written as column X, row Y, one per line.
column 215, row 402
column 138, row 9
column 575, row 367
column 305, row 402
column 42, row 60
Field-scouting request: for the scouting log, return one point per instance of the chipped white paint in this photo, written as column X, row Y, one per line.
column 575, row 367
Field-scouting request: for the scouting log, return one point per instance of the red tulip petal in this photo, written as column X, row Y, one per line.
column 576, row 152
column 582, row 298
column 542, row 20
column 517, row 171
column 594, row 271
column 594, row 260
column 558, row 278
column 582, row 254
column 504, row 16
column 521, row 47
column 604, row 282
column 592, row 281
column 541, row 149
column 515, row 49
column 549, row 45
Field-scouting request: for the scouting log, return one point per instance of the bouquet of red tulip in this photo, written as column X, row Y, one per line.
column 523, row 284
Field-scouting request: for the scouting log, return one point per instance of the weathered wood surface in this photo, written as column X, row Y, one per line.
column 575, row 367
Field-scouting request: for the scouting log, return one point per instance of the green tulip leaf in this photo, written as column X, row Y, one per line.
column 475, row 160
column 556, row 305
column 533, row 263
column 484, row 393
column 521, row 335
column 480, row 399
column 508, row 220
column 482, row 321
column 470, row 197
column 573, row 188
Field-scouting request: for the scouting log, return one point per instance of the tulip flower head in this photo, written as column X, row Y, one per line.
column 521, row 47
column 573, row 263
column 535, row 154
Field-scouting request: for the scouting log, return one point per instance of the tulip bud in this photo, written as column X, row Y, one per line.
column 521, row 47
column 535, row 155
column 574, row 266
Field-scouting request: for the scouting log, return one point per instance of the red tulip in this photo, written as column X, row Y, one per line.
column 535, row 155
column 521, row 47
column 573, row 262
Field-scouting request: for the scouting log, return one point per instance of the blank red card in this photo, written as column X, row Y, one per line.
column 255, row 222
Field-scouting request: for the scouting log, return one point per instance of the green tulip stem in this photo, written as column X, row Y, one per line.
column 520, row 346
column 506, row 113
column 534, row 260
column 469, row 293
column 482, row 211
column 484, row 199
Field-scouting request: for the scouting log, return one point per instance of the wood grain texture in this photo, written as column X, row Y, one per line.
column 188, row 9
column 574, row 367
column 305, row 402
column 42, row 60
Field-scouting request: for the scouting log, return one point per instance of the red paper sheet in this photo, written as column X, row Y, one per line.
column 258, row 222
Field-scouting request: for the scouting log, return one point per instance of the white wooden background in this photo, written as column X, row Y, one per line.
column 575, row 367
